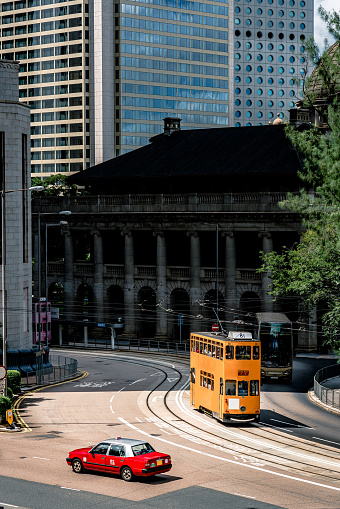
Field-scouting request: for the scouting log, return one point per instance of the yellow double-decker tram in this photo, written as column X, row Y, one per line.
column 225, row 371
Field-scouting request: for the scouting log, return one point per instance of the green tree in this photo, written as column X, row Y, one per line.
column 56, row 185
column 311, row 269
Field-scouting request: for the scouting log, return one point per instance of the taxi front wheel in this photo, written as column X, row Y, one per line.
column 126, row 474
column 77, row 466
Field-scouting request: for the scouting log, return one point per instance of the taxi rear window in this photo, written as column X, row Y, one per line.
column 142, row 449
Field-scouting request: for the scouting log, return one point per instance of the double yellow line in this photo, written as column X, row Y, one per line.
column 16, row 412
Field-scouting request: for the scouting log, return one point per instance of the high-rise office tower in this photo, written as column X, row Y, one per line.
column 100, row 75
column 267, row 57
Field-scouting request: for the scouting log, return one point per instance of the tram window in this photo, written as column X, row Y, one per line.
column 256, row 352
column 193, row 376
column 243, row 388
column 205, row 349
column 207, row 380
column 243, row 352
column 192, row 345
column 221, row 385
column 209, row 350
column 221, row 353
column 213, row 349
column 201, row 348
column 254, row 387
column 197, row 346
column 229, row 352
column 230, row 387
column 217, row 352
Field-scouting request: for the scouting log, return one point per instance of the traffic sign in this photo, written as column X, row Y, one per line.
column 215, row 327
column 9, row 417
column 3, row 372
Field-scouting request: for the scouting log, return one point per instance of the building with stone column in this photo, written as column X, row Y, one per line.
column 175, row 229
column 15, row 176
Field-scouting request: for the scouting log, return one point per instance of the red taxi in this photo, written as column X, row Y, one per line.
column 123, row 456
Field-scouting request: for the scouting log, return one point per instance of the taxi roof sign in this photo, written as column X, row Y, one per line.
column 240, row 335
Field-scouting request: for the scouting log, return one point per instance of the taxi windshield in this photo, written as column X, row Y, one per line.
column 142, row 449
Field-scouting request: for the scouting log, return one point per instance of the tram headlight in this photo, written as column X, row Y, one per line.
column 288, row 372
column 243, row 408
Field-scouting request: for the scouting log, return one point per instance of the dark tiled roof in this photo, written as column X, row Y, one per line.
column 202, row 152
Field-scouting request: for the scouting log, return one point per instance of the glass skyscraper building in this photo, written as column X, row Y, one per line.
column 100, row 75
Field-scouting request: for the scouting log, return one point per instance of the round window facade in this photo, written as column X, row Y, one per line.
column 259, row 114
column 249, row 102
column 237, row 113
column 270, row 46
column 259, row 80
column 270, row 81
column 281, row 47
column 248, row 10
column 237, row 102
column 292, row 14
column 270, row 104
column 248, row 45
column 259, row 104
column 237, row 44
column 249, row 114
column 302, row 26
column 270, row 35
column 270, row 24
column 270, row 92
column 249, row 91
column 281, row 81
column 291, row 104
column 292, row 47
column 281, row 70
column 281, row 24
column 259, row 35
column 281, row 36
column 270, row 69
column 248, row 124
column 270, row 58
column 237, row 33
column 281, row 14
column 237, row 124
column 248, row 68
column 237, row 10
column 259, row 91
column 281, row 104
column 248, row 22
column 237, row 79
column 291, row 59
column 248, row 33
column 259, row 23
column 281, row 93
column 281, row 58
column 259, row 68
column 237, row 21
column 270, row 12
column 302, row 15
column 291, row 25
column 237, row 56
column 270, row 114
column 259, row 11
column 237, row 67
column 259, row 45
column 248, row 79
column 237, row 91
column 292, row 70
column 259, row 58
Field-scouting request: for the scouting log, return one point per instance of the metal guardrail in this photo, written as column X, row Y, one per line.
column 330, row 397
column 61, row 369
column 150, row 345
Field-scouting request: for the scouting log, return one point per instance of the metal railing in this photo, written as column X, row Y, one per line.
column 330, row 397
column 60, row 368
column 150, row 345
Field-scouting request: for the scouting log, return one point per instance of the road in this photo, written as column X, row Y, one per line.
column 277, row 463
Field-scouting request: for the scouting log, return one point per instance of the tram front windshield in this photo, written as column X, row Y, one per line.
column 276, row 345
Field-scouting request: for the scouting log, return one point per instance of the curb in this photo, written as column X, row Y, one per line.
column 314, row 399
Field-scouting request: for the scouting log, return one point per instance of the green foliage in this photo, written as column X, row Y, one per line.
column 5, row 404
column 10, row 393
column 56, row 185
column 14, row 380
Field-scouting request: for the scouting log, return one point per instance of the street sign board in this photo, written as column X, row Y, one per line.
column 215, row 327
column 101, row 324
column 3, row 372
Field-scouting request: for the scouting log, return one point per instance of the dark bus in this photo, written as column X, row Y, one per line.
column 275, row 331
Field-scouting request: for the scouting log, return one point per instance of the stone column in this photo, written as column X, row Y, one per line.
column 230, row 276
column 98, row 281
column 267, row 247
column 195, row 281
column 129, row 285
column 68, row 279
column 161, row 302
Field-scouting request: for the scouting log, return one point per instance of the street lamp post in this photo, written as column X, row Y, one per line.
column 3, row 193
column 62, row 212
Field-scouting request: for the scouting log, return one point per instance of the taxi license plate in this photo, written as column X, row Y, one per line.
column 159, row 462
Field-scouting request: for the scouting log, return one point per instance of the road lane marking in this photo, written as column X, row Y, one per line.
column 328, row 441
column 38, row 458
column 245, row 496
column 8, row 505
column 292, row 424
column 136, row 381
column 226, row 460
column 180, row 403
column 71, row 489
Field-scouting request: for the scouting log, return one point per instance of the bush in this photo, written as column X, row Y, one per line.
column 5, row 404
column 9, row 393
column 14, row 380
